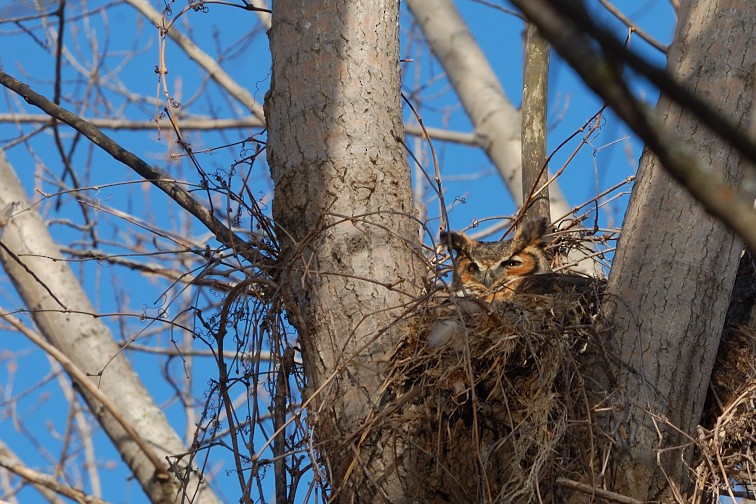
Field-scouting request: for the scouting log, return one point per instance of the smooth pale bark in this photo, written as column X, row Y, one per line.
column 675, row 264
column 87, row 342
column 345, row 219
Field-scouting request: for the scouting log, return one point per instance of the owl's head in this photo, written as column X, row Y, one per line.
column 484, row 267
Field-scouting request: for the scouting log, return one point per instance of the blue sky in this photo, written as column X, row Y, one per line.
column 611, row 154
column 609, row 157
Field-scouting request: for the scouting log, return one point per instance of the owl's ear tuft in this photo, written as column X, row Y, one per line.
column 531, row 233
column 459, row 242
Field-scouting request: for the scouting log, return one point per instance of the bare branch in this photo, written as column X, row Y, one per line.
column 534, row 105
column 9, row 462
column 84, row 382
column 598, row 492
column 584, row 58
column 602, row 76
column 202, row 58
column 210, row 124
column 634, row 28
column 153, row 175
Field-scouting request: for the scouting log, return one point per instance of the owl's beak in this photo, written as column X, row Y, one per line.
column 488, row 278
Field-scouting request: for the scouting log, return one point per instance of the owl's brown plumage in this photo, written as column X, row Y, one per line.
column 493, row 270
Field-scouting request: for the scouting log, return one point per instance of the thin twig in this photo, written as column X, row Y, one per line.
column 601, row 74
column 632, row 26
column 590, row 490
column 150, row 174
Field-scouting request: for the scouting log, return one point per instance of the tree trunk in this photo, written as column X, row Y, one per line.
column 675, row 264
column 345, row 217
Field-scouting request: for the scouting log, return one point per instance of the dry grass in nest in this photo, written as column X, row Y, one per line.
column 512, row 402
column 735, row 366
column 499, row 393
column 727, row 452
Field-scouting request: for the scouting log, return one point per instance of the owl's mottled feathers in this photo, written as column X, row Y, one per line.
column 494, row 270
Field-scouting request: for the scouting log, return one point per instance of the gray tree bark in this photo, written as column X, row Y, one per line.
column 345, row 217
column 675, row 264
column 534, row 106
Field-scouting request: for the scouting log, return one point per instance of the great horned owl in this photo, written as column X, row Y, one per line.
column 494, row 270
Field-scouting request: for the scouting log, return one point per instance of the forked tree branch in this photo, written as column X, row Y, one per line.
column 203, row 59
column 45, row 483
column 158, row 178
column 604, row 77
column 83, row 381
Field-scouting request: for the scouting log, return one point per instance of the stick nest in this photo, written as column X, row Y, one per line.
column 504, row 395
column 727, row 449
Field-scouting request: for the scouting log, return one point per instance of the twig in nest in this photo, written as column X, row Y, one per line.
column 590, row 490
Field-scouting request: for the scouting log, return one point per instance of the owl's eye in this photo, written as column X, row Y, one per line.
column 509, row 263
column 472, row 268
